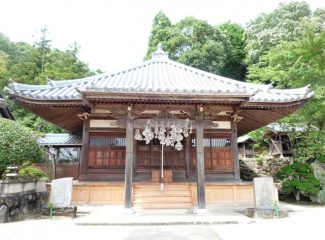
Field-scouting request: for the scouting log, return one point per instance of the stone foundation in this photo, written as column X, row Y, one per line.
column 20, row 198
column 266, row 213
column 66, row 211
column 268, row 167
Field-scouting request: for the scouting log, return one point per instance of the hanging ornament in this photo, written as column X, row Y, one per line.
column 148, row 134
column 156, row 130
column 168, row 142
column 178, row 146
column 169, row 135
column 137, row 135
column 190, row 131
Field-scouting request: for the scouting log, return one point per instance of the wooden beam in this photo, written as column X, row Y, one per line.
column 129, row 162
column 200, row 164
column 234, row 150
column 85, row 150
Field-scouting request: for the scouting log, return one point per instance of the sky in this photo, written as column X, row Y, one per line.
column 114, row 35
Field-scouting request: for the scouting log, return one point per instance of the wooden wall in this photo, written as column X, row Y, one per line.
column 61, row 170
column 113, row 193
column 98, row 193
column 229, row 193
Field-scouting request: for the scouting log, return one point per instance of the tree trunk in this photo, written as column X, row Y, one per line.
column 297, row 195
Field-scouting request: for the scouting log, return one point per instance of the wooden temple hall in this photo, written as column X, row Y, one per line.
column 159, row 134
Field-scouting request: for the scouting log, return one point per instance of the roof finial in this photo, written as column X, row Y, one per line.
column 159, row 53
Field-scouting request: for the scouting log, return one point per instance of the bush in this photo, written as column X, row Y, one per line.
column 17, row 144
column 31, row 172
column 299, row 178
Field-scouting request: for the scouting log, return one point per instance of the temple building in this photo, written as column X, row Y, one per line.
column 161, row 124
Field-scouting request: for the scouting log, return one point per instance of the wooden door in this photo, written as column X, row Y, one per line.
column 149, row 156
column 217, row 154
column 106, row 151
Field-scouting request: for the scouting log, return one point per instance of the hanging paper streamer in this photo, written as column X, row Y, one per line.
column 170, row 134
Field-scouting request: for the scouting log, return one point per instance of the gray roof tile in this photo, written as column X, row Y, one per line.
column 160, row 75
column 52, row 139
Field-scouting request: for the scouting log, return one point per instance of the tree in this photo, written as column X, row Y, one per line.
column 161, row 32
column 310, row 144
column 268, row 30
column 235, row 66
column 296, row 64
column 7, row 46
column 198, row 44
column 27, row 69
column 66, row 65
column 3, row 69
column 298, row 178
column 44, row 46
column 34, row 65
column 17, row 144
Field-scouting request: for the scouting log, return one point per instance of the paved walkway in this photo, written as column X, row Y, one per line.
column 219, row 223
column 118, row 216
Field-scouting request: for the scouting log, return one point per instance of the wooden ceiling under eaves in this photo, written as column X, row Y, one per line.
column 67, row 118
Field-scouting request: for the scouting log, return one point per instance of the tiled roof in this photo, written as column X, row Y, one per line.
column 244, row 138
column 62, row 89
column 285, row 127
column 56, row 139
column 160, row 75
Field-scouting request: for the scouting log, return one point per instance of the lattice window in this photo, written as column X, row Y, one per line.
column 107, row 151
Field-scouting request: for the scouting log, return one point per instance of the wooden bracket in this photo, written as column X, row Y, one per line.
column 83, row 116
column 129, row 111
column 200, row 112
column 235, row 117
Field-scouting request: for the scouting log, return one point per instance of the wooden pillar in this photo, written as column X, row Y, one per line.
column 134, row 163
column 234, row 150
column 188, row 156
column 244, row 145
column 85, row 149
column 129, row 162
column 56, row 160
column 200, row 165
column 281, row 146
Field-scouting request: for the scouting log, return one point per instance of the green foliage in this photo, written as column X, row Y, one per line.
column 34, row 65
column 235, row 66
column 298, row 178
column 295, row 64
column 293, row 59
column 310, row 144
column 268, row 30
column 198, row 44
column 261, row 143
column 3, row 69
column 17, row 144
column 29, row 171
